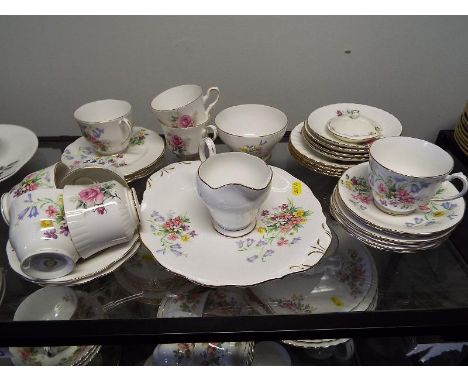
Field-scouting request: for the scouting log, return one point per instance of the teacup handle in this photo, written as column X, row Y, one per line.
column 126, row 122
column 213, row 130
column 449, row 178
column 214, row 89
column 208, row 143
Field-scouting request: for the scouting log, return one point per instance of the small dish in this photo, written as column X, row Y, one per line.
column 352, row 126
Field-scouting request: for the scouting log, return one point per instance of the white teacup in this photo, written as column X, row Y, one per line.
column 184, row 143
column 100, row 215
column 184, row 105
column 48, row 177
column 106, row 124
column 406, row 173
column 252, row 129
column 233, row 186
column 40, row 236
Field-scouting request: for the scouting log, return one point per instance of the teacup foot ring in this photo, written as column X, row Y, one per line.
column 235, row 234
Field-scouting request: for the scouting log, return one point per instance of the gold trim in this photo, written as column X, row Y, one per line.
column 179, row 107
column 412, row 176
column 107, row 121
column 308, row 162
column 257, row 136
column 334, row 147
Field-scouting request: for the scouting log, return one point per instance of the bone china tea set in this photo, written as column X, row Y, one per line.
column 225, row 219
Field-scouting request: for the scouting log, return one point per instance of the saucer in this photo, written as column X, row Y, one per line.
column 356, row 194
column 17, row 147
column 318, row 120
column 96, row 266
column 143, row 155
column 176, row 227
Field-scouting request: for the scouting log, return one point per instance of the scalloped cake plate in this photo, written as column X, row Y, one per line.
column 176, row 227
column 145, row 151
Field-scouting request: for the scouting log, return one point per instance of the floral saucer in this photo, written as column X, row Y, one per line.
column 17, row 146
column 355, row 192
column 145, row 152
column 389, row 126
column 98, row 265
column 341, row 290
column 291, row 233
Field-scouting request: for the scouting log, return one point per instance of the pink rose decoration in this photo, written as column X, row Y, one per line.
column 101, row 210
column 177, row 141
column 185, row 121
column 92, row 195
column 51, row 211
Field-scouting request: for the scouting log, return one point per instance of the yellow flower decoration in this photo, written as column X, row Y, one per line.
column 337, row 301
column 261, row 230
column 298, row 213
column 438, row 214
column 185, row 237
column 46, row 223
column 244, row 149
column 348, row 184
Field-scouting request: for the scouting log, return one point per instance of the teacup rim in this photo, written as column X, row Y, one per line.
column 89, row 123
column 256, row 136
column 236, row 184
column 179, row 107
column 408, row 175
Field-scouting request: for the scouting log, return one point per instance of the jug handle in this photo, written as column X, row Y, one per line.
column 210, row 145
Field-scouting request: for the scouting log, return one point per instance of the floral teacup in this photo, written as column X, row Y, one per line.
column 183, row 106
column 40, row 236
column 48, row 177
column 233, row 186
column 100, row 216
column 184, row 142
column 406, row 173
column 106, row 124
column 252, row 129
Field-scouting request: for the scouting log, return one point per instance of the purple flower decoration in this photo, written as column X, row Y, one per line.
column 175, row 249
column 23, row 213
column 295, row 240
column 240, row 243
column 33, row 212
column 269, row 252
column 157, row 217
column 261, row 243
column 50, row 234
column 192, row 234
column 250, row 242
column 251, row 259
column 64, row 230
column 28, row 198
column 418, row 220
column 448, row 205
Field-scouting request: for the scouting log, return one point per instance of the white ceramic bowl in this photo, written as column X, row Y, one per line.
column 252, row 129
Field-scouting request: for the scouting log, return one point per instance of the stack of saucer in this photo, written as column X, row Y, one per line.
column 352, row 205
column 461, row 131
column 338, row 136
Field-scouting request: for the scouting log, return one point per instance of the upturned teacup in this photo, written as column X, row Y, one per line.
column 48, row 177
column 184, row 142
column 252, row 129
column 184, row 105
column 106, row 124
column 100, row 215
column 40, row 236
column 406, row 173
column 233, row 186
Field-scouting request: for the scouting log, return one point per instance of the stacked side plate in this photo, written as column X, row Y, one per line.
column 461, row 131
column 352, row 205
column 336, row 137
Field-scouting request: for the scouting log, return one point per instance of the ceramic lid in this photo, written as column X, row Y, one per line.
column 353, row 126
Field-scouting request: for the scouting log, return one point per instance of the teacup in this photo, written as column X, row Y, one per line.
column 40, row 236
column 48, row 177
column 252, row 129
column 233, row 186
column 406, row 173
column 100, row 215
column 106, row 124
column 184, row 105
column 184, row 143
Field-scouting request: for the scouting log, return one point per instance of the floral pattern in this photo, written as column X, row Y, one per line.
column 34, row 356
column 256, row 150
column 94, row 198
column 93, row 134
column 173, row 230
column 86, row 155
column 428, row 214
column 183, row 351
column 394, row 193
column 54, row 224
column 294, row 304
column 138, row 138
column 188, row 303
column 182, row 121
column 32, row 182
column 353, row 274
column 177, row 144
column 277, row 228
